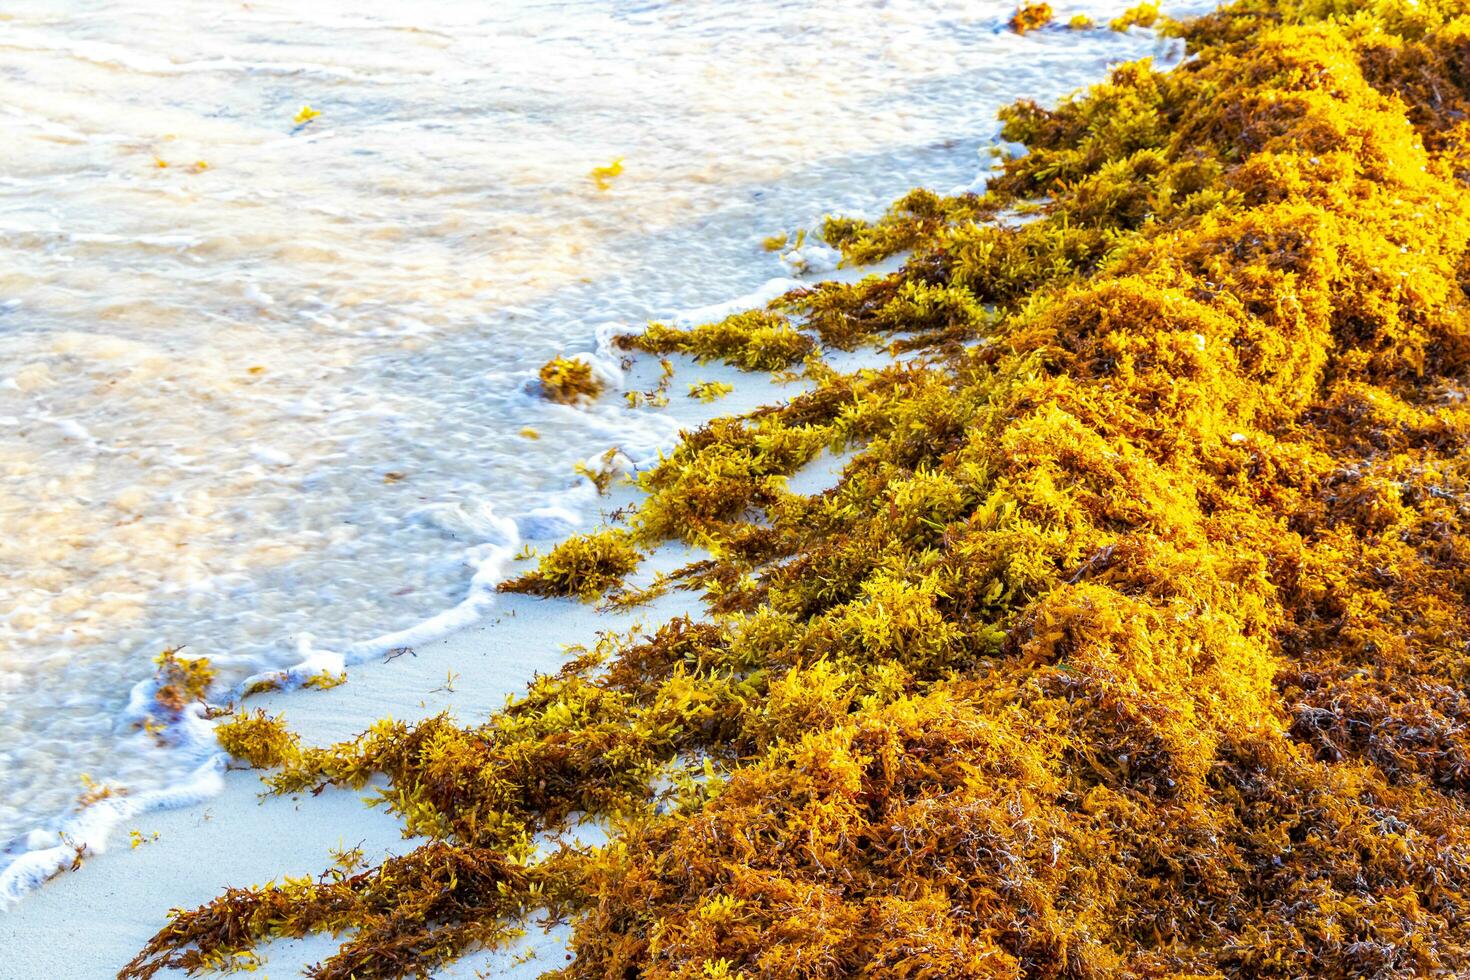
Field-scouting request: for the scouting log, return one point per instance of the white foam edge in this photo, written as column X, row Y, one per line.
column 87, row 830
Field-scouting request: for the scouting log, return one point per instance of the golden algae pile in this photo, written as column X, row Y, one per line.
column 1133, row 639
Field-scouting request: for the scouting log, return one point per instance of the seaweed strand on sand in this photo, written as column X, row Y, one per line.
column 1131, row 642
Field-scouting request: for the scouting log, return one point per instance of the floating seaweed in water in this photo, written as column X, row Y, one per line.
column 602, row 176
column 1144, row 15
column 1132, row 640
column 180, row 681
column 569, row 380
column 1028, row 17
column 758, row 340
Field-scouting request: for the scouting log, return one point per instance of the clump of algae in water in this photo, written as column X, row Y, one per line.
column 1028, row 17
column 1144, row 15
column 569, row 381
column 758, row 340
column 1131, row 642
column 180, row 681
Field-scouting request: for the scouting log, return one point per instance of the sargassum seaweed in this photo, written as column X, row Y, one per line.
column 1132, row 640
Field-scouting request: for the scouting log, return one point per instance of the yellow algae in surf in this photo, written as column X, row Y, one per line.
column 757, row 340
column 1144, row 15
column 568, row 381
column 181, row 680
column 1030, row 16
column 602, row 176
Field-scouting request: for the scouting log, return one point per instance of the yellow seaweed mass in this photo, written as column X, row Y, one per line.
column 262, row 741
column 180, row 681
column 569, row 381
column 584, row 565
column 757, row 340
column 1133, row 639
column 1144, row 15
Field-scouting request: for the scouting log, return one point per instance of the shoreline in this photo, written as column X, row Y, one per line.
column 92, row 831
column 241, row 418
column 477, row 682
column 189, row 733
column 236, row 834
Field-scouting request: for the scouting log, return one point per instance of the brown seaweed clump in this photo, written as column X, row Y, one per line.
column 1134, row 640
column 1030, row 16
column 180, row 681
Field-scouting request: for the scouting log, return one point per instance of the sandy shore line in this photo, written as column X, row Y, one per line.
column 89, row 924
column 122, row 896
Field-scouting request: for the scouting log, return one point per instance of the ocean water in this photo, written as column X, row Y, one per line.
column 263, row 381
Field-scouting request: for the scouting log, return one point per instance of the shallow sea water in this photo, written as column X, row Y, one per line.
column 262, row 384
